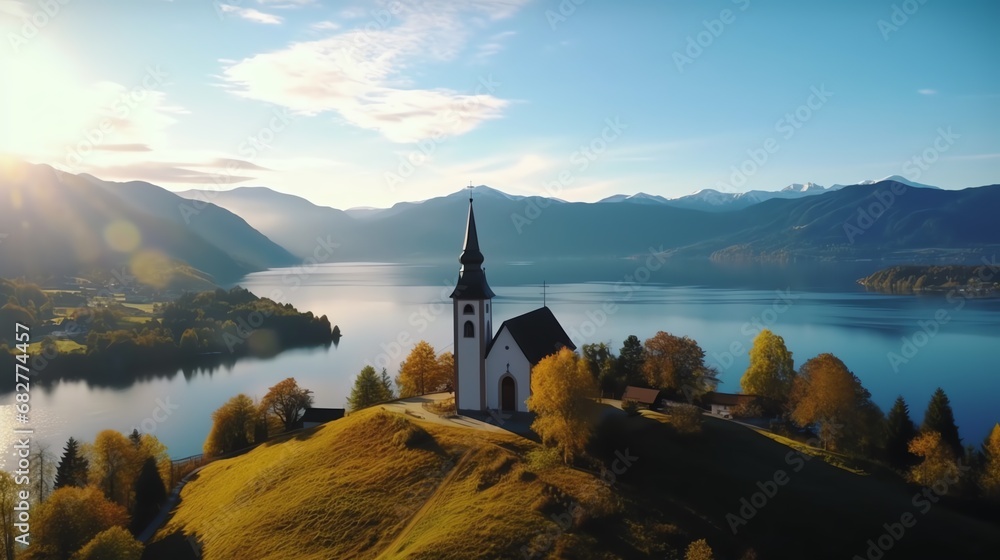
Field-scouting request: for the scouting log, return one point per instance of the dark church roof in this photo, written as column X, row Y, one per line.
column 322, row 415
column 538, row 334
column 472, row 278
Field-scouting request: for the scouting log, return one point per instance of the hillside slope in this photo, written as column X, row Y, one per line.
column 381, row 485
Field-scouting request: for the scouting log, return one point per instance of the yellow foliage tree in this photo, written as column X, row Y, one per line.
column 771, row 371
column 113, row 465
column 827, row 393
column 69, row 519
column 938, row 462
column 561, row 389
column 113, row 544
column 421, row 371
column 232, row 426
column 990, row 480
column 698, row 550
column 8, row 499
column 446, row 372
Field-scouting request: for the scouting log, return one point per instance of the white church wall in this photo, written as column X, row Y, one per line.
column 505, row 350
column 467, row 356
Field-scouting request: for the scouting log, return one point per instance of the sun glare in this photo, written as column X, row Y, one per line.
column 43, row 106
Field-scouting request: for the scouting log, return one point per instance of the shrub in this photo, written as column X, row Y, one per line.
column 698, row 550
column 543, row 458
column 686, row 418
column 630, row 407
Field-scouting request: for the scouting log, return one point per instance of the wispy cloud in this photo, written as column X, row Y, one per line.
column 927, row 91
column 13, row 8
column 325, row 26
column 250, row 14
column 135, row 147
column 973, row 157
column 362, row 73
column 492, row 46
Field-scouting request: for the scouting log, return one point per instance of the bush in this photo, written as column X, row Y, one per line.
column 748, row 409
column 543, row 458
column 686, row 418
column 698, row 550
column 630, row 407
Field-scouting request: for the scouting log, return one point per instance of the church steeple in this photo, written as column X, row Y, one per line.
column 472, row 278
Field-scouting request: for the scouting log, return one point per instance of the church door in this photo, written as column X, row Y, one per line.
column 507, row 394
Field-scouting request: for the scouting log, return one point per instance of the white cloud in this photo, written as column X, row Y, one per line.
column 361, row 73
column 250, row 14
column 927, row 91
column 325, row 26
column 14, row 8
column 492, row 46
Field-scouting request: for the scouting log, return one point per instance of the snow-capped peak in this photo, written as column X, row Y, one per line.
column 804, row 187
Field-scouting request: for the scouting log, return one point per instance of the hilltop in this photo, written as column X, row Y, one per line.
column 384, row 485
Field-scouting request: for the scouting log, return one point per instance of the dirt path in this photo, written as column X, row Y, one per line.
column 393, row 547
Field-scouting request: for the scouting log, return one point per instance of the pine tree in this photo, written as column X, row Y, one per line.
column 73, row 467
column 899, row 431
column 387, row 385
column 150, row 494
column 940, row 418
column 630, row 359
column 369, row 389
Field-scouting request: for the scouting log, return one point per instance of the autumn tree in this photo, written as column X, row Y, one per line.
column 446, row 372
column 940, row 418
column 899, row 432
column 677, row 365
column 825, row 392
column 287, row 402
column 937, row 464
column 69, row 519
column 698, row 550
column 990, row 478
column 603, row 367
column 43, row 471
column 232, row 426
column 112, row 544
column 8, row 499
column 561, row 389
column 73, row 466
column 420, row 372
column 112, row 459
column 771, row 372
column 368, row 389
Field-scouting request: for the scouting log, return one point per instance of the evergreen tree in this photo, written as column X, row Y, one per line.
column 630, row 359
column 899, row 432
column 150, row 494
column 135, row 437
column 387, row 385
column 940, row 418
column 369, row 389
column 73, row 466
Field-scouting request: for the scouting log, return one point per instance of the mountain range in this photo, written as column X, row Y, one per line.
column 63, row 223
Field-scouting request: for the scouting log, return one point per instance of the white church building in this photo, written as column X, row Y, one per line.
column 494, row 372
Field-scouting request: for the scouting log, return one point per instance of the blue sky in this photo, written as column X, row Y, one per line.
column 366, row 104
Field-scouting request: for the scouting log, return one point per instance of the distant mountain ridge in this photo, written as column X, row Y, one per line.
column 68, row 223
column 805, row 223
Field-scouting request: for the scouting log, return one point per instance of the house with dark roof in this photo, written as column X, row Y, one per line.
column 641, row 395
column 493, row 372
column 724, row 403
column 316, row 416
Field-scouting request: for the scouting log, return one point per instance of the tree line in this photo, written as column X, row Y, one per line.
column 196, row 328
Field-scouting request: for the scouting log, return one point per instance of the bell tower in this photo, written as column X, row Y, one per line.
column 473, row 322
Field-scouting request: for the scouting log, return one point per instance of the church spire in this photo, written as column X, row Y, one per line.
column 472, row 278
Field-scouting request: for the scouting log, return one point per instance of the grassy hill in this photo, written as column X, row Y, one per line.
column 381, row 485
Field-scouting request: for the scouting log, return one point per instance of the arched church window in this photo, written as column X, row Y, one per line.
column 467, row 310
column 470, row 331
column 487, row 308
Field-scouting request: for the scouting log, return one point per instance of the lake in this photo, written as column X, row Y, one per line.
column 897, row 345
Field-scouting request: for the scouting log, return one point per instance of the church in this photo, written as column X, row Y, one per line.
column 493, row 372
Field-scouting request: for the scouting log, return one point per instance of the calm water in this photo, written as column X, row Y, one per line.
column 383, row 308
